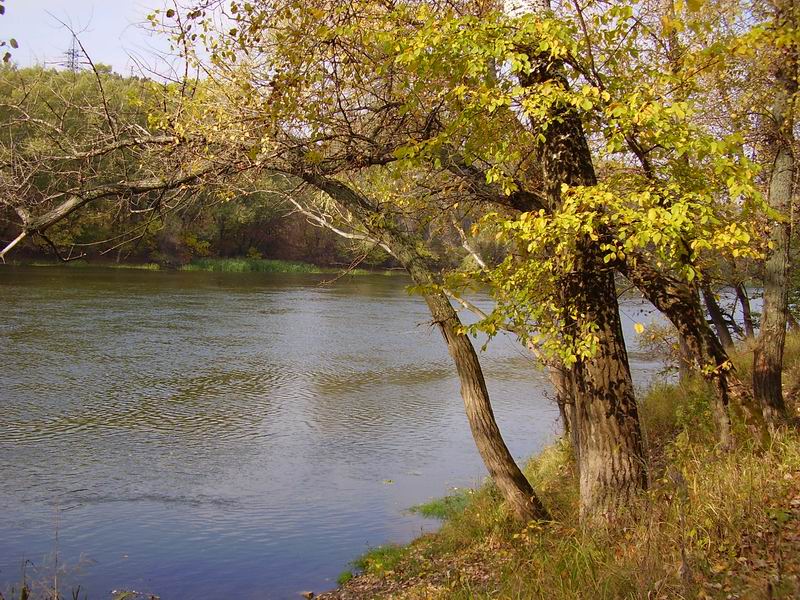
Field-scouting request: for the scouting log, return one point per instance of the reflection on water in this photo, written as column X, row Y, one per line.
column 207, row 435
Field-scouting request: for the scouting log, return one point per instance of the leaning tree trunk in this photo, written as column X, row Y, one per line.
column 715, row 312
column 505, row 473
column 680, row 303
column 768, row 355
column 507, row 476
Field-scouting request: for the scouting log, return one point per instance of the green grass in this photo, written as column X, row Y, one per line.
column 217, row 265
column 444, row 508
column 266, row 265
column 381, row 560
column 344, row 577
column 250, row 265
column 713, row 524
column 82, row 264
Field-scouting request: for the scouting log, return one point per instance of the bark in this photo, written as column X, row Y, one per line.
column 516, row 490
column 685, row 360
column 768, row 354
column 680, row 303
column 561, row 379
column 747, row 312
column 715, row 312
column 507, row 476
column 611, row 457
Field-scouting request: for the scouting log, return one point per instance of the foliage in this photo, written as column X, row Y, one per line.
column 417, row 91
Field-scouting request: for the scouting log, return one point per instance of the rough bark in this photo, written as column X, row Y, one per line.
column 768, row 354
column 507, row 476
column 611, row 460
column 611, row 453
column 680, row 303
column 517, row 491
column 715, row 312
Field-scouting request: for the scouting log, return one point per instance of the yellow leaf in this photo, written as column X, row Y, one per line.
column 639, row 328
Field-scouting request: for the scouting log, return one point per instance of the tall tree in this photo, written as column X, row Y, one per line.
column 779, row 146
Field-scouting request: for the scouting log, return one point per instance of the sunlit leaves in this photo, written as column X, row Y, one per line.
column 345, row 87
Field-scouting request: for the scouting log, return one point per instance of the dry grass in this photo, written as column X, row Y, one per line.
column 712, row 525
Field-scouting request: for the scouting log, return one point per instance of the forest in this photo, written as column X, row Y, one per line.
column 550, row 153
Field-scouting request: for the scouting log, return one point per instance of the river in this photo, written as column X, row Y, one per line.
column 213, row 435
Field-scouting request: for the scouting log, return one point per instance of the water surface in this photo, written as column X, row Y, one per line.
column 204, row 435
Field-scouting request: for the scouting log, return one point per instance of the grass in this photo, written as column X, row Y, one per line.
column 444, row 508
column 712, row 525
column 217, row 265
column 250, row 265
column 82, row 264
column 266, row 265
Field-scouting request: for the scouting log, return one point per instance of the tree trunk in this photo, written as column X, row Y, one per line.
column 611, row 462
column 611, row 456
column 768, row 354
column 516, row 490
column 507, row 476
column 561, row 379
column 717, row 317
column 747, row 312
column 685, row 360
column 680, row 303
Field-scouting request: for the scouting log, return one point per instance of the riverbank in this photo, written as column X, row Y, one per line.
column 713, row 525
column 216, row 265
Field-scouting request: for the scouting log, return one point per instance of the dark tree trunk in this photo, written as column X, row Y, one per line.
column 515, row 488
column 561, row 379
column 715, row 312
column 747, row 312
column 611, row 457
column 680, row 303
column 685, row 360
column 768, row 354
column 611, row 463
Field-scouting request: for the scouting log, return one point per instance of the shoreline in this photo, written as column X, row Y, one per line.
column 712, row 525
column 216, row 265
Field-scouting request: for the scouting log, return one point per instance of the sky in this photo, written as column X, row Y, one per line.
column 112, row 31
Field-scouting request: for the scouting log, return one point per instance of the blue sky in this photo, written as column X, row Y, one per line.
column 111, row 30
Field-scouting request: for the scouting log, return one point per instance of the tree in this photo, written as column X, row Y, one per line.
column 91, row 140
column 779, row 148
